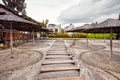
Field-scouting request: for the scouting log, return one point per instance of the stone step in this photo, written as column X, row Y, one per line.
column 68, row 78
column 58, row 62
column 58, row 68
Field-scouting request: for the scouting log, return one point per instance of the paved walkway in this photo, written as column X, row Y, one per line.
column 59, row 64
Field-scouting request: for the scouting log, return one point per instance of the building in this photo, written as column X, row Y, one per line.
column 69, row 27
column 55, row 28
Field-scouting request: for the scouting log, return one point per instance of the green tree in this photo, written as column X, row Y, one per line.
column 16, row 5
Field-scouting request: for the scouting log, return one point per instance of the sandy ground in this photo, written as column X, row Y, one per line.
column 95, row 62
column 26, row 62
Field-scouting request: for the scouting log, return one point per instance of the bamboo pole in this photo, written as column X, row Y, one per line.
column 111, row 51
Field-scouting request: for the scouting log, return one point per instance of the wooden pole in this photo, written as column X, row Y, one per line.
column 78, row 34
column 111, row 51
column 33, row 37
column 11, row 40
column 104, row 37
column 94, row 36
column 119, row 36
column 87, row 40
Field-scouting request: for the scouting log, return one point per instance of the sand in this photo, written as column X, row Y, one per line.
column 25, row 63
column 95, row 62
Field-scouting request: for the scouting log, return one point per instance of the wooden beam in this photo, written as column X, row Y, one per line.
column 58, row 68
column 58, row 62
column 68, row 78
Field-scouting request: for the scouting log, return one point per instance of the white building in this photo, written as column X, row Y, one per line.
column 55, row 28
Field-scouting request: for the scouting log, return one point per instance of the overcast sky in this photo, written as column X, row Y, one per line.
column 73, row 11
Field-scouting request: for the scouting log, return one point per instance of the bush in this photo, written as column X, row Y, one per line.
column 100, row 35
column 79, row 35
column 59, row 35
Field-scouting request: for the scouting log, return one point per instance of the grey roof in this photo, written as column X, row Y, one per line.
column 109, row 23
column 8, row 17
column 84, row 28
column 105, row 26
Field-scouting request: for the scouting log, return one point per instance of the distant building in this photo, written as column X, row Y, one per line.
column 55, row 28
column 71, row 26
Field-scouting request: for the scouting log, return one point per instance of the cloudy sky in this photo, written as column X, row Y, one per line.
column 73, row 11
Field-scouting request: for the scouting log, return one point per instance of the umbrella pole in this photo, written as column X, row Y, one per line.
column 94, row 36
column 78, row 34
column 119, row 36
column 11, row 41
column 33, row 37
column 104, row 37
column 111, row 51
column 87, row 40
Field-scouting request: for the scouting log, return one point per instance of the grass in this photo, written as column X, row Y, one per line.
column 100, row 35
column 91, row 36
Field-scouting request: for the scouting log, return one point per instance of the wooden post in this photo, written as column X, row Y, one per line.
column 11, row 40
column 78, row 34
column 111, row 51
column 24, row 37
column 94, row 36
column 33, row 37
column 119, row 36
column 104, row 37
column 87, row 40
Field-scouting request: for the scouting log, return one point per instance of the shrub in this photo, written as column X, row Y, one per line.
column 79, row 35
column 59, row 35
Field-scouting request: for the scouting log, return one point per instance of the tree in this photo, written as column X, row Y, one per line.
column 16, row 5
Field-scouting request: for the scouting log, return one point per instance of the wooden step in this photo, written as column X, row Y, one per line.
column 58, row 53
column 58, row 62
column 58, row 68
column 57, row 49
column 52, row 51
column 56, row 56
column 68, row 78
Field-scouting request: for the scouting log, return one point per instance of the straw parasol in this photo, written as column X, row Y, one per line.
column 10, row 20
column 87, row 28
column 108, row 26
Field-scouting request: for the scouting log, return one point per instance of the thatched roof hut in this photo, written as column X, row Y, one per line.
column 9, row 18
column 84, row 28
column 105, row 26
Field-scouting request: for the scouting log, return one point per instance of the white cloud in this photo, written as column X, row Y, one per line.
column 47, row 9
column 90, row 11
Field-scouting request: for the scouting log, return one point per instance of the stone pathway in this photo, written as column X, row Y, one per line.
column 59, row 64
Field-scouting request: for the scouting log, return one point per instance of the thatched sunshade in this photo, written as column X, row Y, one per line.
column 105, row 26
column 73, row 30
column 87, row 28
column 108, row 26
column 11, row 20
column 45, row 30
